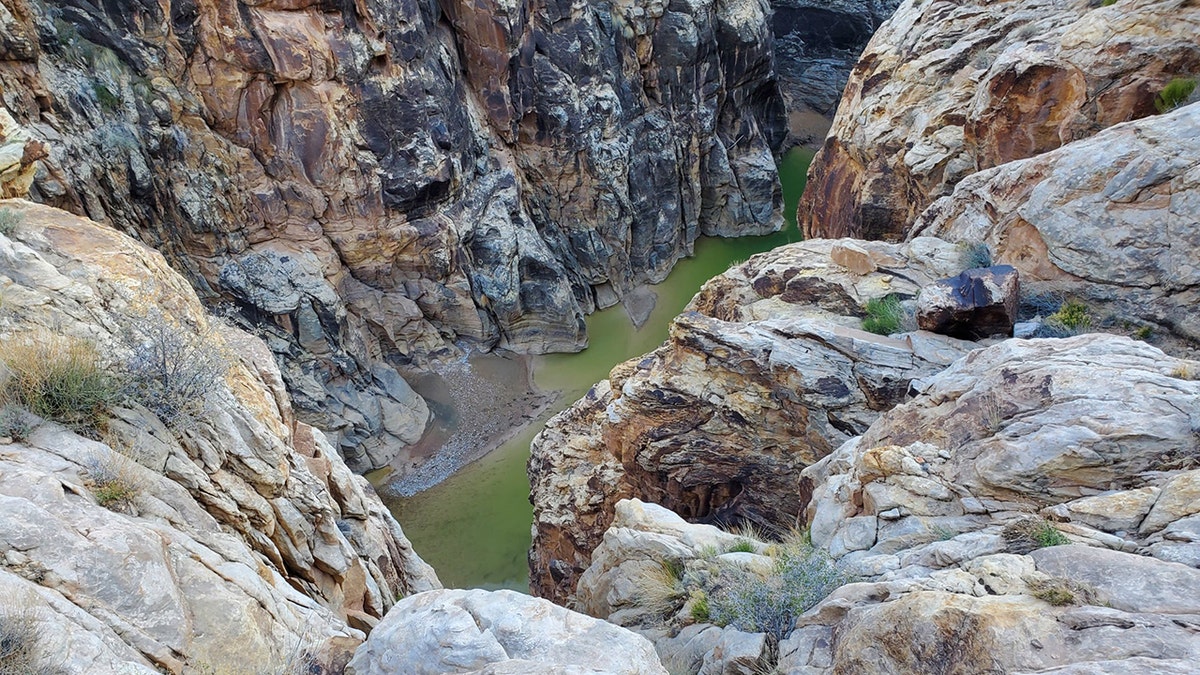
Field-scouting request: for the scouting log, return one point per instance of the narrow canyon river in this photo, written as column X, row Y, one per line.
column 473, row 523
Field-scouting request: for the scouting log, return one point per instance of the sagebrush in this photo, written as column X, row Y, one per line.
column 171, row 369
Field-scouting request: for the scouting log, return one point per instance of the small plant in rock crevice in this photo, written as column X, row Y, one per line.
column 1029, row 534
column 9, row 220
column 973, row 255
column 15, row 422
column 1176, row 93
column 884, row 315
column 24, row 645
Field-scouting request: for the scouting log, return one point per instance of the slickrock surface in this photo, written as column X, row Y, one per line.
column 491, row 633
column 767, row 373
column 1113, row 219
column 946, row 89
column 247, row 537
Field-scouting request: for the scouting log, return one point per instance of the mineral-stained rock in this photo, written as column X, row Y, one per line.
column 373, row 183
column 476, row 631
column 945, row 89
column 766, row 375
column 817, row 43
column 976, row 304
column 246, row 537
column 1113, row 219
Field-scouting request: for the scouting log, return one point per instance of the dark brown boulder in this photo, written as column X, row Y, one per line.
column 974, row 305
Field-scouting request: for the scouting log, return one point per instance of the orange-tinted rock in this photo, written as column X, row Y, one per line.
column 945, row 89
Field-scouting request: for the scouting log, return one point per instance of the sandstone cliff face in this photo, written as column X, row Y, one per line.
column 949, row 88
column 1111, row 219
column 248, row 537
column 328, row 172
column 765, row 375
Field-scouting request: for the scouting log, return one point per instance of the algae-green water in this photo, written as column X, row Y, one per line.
column 474, row 527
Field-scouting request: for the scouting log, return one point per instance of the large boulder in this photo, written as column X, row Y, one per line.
column 1113, row 219
column 946, row 89
column 494, row 632
column 976, row 304
column 242, row 535
column 765, row 374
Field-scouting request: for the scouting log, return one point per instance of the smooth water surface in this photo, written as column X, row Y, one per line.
column 474, row 527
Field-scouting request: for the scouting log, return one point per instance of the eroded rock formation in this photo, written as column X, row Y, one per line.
column 946, row 89
column 329, row 172
column 936, row 513
column 1112, row 219
column 766, row 373
column 245, row 539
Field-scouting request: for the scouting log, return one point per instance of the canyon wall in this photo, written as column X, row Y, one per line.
column 371, row 185
column 946, row 89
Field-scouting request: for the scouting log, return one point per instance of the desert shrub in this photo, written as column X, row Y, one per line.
column 23, row 648
column 973, row 255
column 59, row 378
column 1072, row 318
column 770, row 604
column 15, row 422
column 1029, row 534
column 700, row 611
column 658, row 589
column 1061, row 592
column 1176, row 93
column 9, row 220
column 113, row 481
column 171, row 369
column 884, row 315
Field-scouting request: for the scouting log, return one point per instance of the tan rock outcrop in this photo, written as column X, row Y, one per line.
column 246, row 535
column 767, row 373
column 946, row 89
column 1113, row 219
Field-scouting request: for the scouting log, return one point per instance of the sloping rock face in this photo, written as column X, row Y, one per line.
column 1114, row 219
column 765, row 374
column 949, row 88
column 924, row 504
column 328, row 171
column 247, row 539
column 494, row 632
column 817, row 44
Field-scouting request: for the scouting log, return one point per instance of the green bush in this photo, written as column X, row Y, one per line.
column 1175, row 94
column 59, row 378
column 771, row 604
column 974, row 255
column 1072, row 318
column 741, row 546
column 884, row 315
column 1029, row 534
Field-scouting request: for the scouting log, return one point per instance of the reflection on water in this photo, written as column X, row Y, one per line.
column 473, row 527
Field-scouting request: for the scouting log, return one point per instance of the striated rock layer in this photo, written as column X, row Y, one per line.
column 767, row 373
column 1113, row 219
column 246, row 538
column 371, row 183
column 946, row 89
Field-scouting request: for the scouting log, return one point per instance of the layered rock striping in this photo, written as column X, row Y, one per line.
column 372, row 184
column 765, row 374
column 946, row 89
column 246, row 538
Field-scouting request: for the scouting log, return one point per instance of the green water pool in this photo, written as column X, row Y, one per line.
column 474, row 527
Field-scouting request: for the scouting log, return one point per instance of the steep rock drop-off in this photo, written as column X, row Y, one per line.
column 329, row 174
column 765, row 374
column 240, row 539
column 946, row 89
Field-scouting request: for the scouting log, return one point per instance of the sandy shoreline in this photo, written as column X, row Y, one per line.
column 479, row 405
